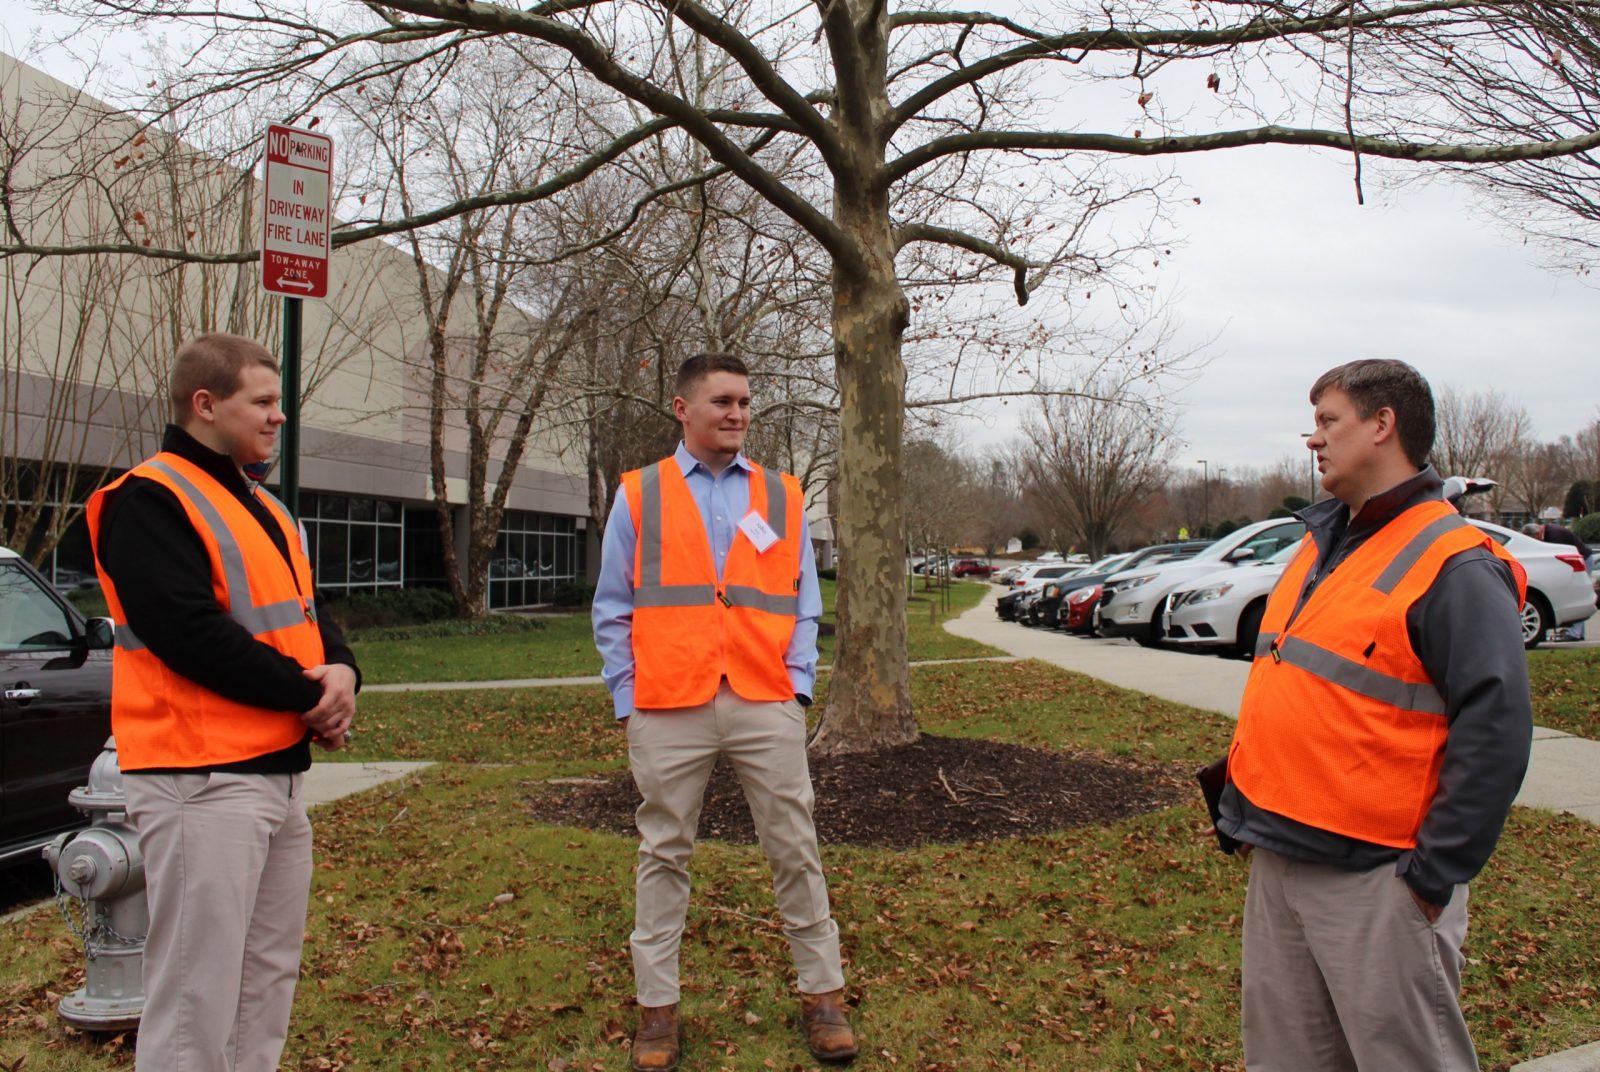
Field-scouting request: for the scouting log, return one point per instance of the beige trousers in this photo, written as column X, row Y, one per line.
column 1342, row 972
column 228, row 867
column 672, row 754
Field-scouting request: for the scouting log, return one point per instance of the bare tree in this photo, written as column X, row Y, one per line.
column 1090, row 459
column 1537, row 474
column 962, row 135
column 1477, row 433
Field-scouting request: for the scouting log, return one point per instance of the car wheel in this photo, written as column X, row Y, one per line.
column 1536, row 620
column 1250, row 629
column 1150, row 635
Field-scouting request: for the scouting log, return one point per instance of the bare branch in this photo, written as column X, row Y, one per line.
column 1046, row 141
column 927, row 232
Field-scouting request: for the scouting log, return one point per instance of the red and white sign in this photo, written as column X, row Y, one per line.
column 296, row 213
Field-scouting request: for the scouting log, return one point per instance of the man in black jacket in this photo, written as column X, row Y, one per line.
column 223, row 677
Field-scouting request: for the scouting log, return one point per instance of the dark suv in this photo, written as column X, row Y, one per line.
column 55, row 707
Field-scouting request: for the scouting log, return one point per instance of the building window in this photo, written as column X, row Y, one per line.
column 356, row 544
column 533, row 554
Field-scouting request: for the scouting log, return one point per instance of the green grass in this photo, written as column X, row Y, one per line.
column 564, row 647
column 1566, row 690
column 1103, row 948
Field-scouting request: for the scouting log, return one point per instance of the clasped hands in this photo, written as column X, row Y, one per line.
column 330, row 719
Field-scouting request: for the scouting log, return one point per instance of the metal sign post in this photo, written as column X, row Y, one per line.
column 296, row 223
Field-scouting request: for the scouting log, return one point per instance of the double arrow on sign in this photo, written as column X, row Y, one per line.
column 300, row 284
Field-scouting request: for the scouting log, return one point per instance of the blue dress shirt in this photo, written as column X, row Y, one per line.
column 724, row 500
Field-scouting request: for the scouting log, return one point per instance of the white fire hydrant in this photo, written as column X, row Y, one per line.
column 101, row 868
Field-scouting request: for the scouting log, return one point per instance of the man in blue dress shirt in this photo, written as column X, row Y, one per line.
column 705, row 616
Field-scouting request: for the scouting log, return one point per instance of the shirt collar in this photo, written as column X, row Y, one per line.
column 1379, row 510
column 219, row 466
column 687, row 462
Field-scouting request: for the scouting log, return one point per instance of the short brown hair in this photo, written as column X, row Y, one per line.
column 1374, row 383
column 698, row 367
column 215, row 363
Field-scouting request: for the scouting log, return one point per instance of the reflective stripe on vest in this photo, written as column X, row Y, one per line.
column 257, row 620
column 1341, row 727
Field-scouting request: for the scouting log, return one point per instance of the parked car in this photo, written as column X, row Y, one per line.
column 1559, row 590
column 971, row 567
column 1031, row 583
column 1045, row 610
column 1222, row 610
column 55, row 707
column 1133, row 600
column 1081, row 596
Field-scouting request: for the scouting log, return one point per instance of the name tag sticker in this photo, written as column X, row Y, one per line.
column 756, row 529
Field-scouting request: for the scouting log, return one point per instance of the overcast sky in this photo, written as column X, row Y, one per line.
column 1284, row 275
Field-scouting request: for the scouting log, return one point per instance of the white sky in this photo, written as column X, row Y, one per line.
column 1285, row 276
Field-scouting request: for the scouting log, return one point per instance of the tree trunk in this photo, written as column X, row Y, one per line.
column 869, row 697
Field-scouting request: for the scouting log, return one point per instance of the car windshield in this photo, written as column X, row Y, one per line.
column 1265, row 542
column 1105, row 565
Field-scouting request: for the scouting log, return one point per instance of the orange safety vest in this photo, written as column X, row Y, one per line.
column 161, row 718
column 689, row 631
column 1341, row 728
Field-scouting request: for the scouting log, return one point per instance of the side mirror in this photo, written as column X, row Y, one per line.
column 100, row 634
column 1240, row 554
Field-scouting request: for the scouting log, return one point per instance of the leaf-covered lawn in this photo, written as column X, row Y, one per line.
column 451, row 930
column 1566, row 690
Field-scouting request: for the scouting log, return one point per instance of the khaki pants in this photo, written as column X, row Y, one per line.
column 1342, row 972
column 228, row 867
column 672, row 754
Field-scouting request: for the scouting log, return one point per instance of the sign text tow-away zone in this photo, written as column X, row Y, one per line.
column 296, row 213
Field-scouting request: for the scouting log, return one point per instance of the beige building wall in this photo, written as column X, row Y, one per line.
column 85, row 342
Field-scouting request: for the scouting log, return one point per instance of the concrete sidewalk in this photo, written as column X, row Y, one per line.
column 1563, row 773
column 328, row 780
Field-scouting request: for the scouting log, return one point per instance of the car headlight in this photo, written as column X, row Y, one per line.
column 1204, row 595
column 1135, row 582
column 1083, row 595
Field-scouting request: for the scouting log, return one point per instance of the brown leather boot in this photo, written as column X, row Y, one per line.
column 655, row 1043
column 829, row 1036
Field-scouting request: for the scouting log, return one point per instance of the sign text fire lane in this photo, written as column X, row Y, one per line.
column 296, row 213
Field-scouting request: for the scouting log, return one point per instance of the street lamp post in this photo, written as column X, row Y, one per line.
column 1205, row 471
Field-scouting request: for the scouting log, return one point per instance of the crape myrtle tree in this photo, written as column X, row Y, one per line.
column 978, row 139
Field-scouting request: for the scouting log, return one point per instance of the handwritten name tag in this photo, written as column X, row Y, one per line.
column 756, row 529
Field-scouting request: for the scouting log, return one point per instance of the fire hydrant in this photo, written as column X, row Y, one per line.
column 101, row 868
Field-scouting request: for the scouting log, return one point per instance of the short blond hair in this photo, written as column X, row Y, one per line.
column 214, row 362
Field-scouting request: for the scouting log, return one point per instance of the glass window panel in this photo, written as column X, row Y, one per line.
column 333, row 506
column 363, row 554
column 547, row 556
column 333, row 556
column 308, row 504
column 564, row 557
column 388, row 511
column 30, row 620
column 497, row 594
column 363, row 509
column 389, row 555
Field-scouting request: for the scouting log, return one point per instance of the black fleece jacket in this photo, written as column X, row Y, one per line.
column 1468, row 634
column 162, row 574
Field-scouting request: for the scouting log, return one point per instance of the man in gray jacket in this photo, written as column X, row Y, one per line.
column 1383, row 734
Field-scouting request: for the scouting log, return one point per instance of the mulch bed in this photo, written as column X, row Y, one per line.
column 940, row 789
